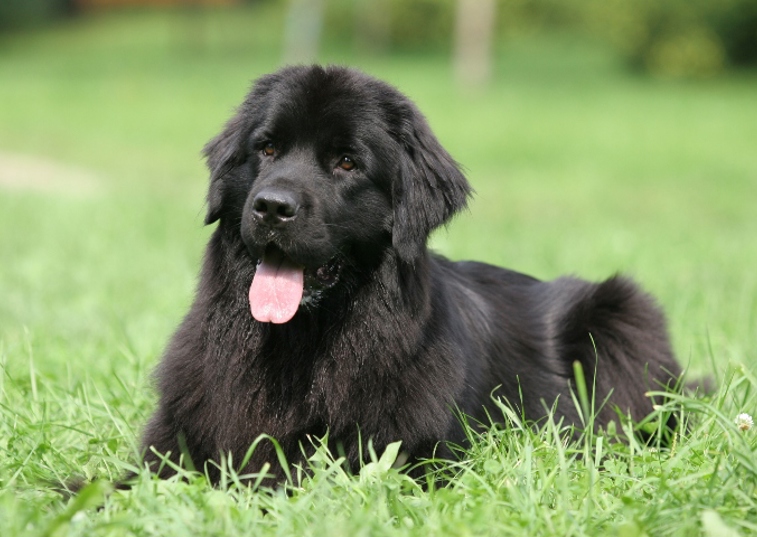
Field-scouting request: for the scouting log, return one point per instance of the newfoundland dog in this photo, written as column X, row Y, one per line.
column 321, row 312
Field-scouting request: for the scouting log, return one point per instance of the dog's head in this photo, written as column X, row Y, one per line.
column 324, row 165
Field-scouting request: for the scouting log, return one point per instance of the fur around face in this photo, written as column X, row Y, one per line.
column 390, row 339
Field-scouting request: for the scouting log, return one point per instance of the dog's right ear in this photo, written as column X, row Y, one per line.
column 224, row 153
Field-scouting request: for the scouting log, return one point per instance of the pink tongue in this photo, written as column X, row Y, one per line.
column 276, row 289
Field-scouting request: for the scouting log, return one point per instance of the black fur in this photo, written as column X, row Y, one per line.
column 394, row 338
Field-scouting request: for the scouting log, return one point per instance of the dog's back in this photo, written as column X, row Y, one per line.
column 532, row 332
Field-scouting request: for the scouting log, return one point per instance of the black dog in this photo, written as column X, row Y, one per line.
column 320, row 309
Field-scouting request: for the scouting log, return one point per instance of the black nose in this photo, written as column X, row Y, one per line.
column 275, row 206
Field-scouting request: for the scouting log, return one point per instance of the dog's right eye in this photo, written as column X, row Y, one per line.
column 347, row 164
column 269, row 149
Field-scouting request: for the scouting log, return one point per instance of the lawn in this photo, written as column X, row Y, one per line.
column 579, row 166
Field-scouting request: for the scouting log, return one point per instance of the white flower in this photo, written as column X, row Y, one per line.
column 744, row 422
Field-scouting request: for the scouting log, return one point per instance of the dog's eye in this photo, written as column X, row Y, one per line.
column 269, row 149
column 346, row 163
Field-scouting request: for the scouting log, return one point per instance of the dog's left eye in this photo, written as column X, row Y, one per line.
column 269, row 149
column 346, row 163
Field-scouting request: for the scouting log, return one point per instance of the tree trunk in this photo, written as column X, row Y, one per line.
column 474, row 33
column 302, row 34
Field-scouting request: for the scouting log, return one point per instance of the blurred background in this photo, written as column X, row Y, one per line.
column 666, row 37
column 600, row 136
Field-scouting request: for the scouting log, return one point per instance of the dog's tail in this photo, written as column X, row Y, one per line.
column 619, row 336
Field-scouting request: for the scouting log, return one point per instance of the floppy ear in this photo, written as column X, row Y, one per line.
column 224, row 153
column 429, row 190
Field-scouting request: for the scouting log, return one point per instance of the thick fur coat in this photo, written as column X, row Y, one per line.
column 320, row 309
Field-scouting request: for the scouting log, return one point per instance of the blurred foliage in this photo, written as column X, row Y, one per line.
column 23, row 13
column 382, row 25
column 679, row 38
column 676, row 37
column 420, row 23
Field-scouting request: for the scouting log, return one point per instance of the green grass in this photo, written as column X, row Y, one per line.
column 579, row 168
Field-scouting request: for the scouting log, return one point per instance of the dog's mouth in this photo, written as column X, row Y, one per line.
column 280, row 285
